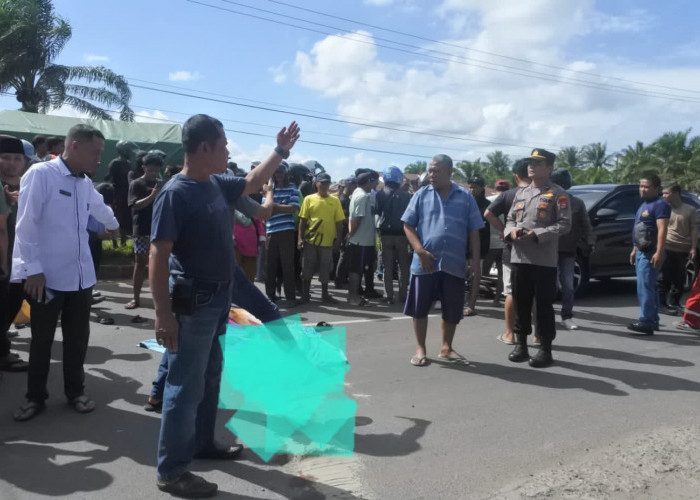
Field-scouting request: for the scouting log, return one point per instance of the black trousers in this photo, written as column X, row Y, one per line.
column 280, row 248
column 11, row 296
column 74, row 310
column 672, row 278
column 538, row 283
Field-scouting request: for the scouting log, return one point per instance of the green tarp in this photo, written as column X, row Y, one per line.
column 166, row 137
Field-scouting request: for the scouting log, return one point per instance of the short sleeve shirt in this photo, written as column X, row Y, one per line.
column 321, row 216
column 443, row 226
column 139, row 189
column 680, row 228
column 194, row 215
column 361, row 206
column 649, row 211
column 500, row 208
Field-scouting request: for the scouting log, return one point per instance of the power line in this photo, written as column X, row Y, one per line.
column 449, row 44
column 284, row 106
column 335, row 120
column 451, row 57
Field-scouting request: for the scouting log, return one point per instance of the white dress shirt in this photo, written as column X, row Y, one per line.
column 51, row 234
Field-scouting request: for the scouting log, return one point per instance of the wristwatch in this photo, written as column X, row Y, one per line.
column 283, row 153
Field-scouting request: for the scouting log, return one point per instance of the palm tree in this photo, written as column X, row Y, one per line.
column 498, row 163
column 27, row 66
column 595, row 155
column 570, row 158
column 468, row 169
column 417, row 167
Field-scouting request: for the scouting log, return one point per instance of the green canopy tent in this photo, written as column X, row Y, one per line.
column 166, row 137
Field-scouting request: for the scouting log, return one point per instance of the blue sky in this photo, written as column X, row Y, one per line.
column 452, row 104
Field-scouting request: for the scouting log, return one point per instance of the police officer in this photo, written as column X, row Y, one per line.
column 540, row 213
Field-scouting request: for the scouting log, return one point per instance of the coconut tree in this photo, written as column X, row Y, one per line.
column 498, row 163
column 40, row 85
column 570, row 158
column 596, row 156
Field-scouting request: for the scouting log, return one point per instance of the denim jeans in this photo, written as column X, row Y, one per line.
column 647, row 276
column 565, row 278
column 191, row 393
column 245, row 295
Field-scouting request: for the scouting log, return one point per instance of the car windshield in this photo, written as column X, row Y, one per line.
column 589, row 196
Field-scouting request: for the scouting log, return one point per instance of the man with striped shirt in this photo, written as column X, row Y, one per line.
column 281, row 235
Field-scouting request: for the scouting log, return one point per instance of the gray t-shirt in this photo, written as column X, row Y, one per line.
column 361, row 206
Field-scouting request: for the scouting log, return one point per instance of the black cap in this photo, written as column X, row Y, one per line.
column 323, row 177
column 543, row 154
column 9, row 144
column 478, row 180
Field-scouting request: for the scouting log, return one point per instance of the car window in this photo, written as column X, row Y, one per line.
column 624, row 204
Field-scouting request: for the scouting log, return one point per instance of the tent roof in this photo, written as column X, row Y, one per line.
column 23, row 123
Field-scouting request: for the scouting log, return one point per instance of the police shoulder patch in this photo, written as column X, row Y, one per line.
column 563, row 202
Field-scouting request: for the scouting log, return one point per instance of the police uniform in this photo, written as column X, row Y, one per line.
column 546, row 210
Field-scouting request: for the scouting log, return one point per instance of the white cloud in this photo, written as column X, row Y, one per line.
column 279, row 73
column 154, row 116
column 476, row 103
column 93, row 58
column 184, row 76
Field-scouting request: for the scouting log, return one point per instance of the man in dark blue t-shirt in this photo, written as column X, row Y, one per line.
column 650, row 225
column 192, row 244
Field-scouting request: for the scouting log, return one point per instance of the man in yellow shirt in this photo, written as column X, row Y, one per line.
column 320, row 226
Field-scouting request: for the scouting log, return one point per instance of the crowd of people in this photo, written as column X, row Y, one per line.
column 203, row 235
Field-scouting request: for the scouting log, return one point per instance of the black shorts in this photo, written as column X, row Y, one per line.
column 360, row 258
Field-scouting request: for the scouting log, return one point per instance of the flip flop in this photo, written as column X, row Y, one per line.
column 507, row 342
column 28, row 411
column 419, row 360
column 82, row 404
column 132, row 304
column 468, row 311
column 458, row 360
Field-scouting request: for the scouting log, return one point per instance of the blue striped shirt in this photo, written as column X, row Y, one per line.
column 443, row 227
column 288, row 195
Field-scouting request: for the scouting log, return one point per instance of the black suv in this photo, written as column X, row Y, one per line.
column 611, row 208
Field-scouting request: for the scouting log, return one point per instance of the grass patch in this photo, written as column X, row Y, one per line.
column 121, row 254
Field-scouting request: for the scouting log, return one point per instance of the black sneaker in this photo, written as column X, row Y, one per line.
column 187, row 485
column 639, row 328
column 542, row 359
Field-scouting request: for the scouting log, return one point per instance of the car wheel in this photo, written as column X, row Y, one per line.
column 691, row 271
column 581, row 273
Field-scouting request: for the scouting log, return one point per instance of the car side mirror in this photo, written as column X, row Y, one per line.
column 606, row 214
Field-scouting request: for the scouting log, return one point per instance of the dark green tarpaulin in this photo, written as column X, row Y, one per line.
column 166, row 137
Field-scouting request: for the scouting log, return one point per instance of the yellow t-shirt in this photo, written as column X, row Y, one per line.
column 321, row 215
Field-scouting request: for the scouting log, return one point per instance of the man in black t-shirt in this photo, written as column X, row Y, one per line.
column 142, row 194
column 495, row 214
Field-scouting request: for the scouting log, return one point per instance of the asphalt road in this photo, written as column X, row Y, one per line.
column 488, row 430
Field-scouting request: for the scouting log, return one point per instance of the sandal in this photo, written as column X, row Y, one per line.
column 29, row 410
column 82, row 404
column 153, row 407
column 106, row 321
column 468, row 311
column 132, row 304
column 419, row 360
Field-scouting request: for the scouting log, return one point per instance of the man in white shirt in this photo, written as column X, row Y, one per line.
column 52, row 257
